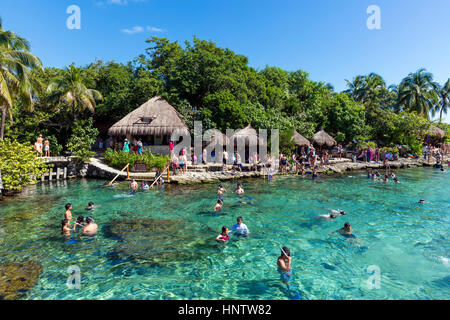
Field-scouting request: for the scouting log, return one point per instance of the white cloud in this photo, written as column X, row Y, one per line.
column 139, row 29
column 136, row 29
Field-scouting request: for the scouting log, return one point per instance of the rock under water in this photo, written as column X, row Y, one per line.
column 16, row 278
column 154, row 241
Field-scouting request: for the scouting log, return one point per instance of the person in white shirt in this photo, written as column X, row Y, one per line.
column 240, row 228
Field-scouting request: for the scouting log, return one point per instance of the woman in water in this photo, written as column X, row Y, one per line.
column 223, row 236
column 218, row 205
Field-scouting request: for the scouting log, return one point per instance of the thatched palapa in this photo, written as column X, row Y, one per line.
column 322, row 138
column 248, row 134
column 216, row 137
column 300, row 140
column 155, row 117
column 437, row 132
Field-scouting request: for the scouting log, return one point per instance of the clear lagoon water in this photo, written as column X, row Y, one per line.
column 160, row 244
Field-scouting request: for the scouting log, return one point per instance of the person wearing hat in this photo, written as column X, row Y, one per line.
column 126, row 145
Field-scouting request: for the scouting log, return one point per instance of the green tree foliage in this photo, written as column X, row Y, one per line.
column 83, row 136
column 119, row 159
column 19, row 165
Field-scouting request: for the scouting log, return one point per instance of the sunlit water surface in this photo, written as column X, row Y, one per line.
column 160, row 244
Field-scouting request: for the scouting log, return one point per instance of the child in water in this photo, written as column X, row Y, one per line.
column 223, row 236
column 218, row 205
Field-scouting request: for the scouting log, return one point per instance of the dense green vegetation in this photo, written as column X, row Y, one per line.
column 212, row 84
column 18, row 165
column 119, row 159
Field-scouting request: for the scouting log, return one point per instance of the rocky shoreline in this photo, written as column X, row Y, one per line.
column 335, row 167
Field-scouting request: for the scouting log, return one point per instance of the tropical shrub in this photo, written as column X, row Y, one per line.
column 19, row 165
column 119, row 159
column 83, row 136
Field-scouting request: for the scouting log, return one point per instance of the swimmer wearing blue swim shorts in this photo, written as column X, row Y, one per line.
column 284, row 265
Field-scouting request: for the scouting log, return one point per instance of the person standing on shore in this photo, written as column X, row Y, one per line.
column 47, row 148
column 126, row 145
column 38, row 146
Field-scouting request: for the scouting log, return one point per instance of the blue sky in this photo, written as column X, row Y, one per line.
column 328, row 39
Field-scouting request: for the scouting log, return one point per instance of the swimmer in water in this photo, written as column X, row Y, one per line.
column 218, row 205
column 90, row 229
column 68, row 213
column 346, row 231
column 443, row 170
column 65, row 229
column 240, row 227
column 221, row 190
column 145, row 186
column 133, row 186
column 386, row 178
column 224, row 235
column 421, row 201
column 90, row 206
column 239, row 189
column 284, row 265
column 333, row 214
column 79, row 222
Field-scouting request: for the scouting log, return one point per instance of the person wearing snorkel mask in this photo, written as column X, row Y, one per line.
column 284, row 265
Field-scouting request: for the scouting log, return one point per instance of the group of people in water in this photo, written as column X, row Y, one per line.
column 87, row 226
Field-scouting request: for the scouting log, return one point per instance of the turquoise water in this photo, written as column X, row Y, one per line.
column 160, row 244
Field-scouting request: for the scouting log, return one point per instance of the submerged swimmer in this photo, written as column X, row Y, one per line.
column 224, row 235
column 421, row 201
column 90, row 206
column 218, row 205
column 284, row 265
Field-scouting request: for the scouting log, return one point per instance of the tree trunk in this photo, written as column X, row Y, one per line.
column 440, row 116
column 2, row 130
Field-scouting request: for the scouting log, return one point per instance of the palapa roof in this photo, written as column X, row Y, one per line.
column 155, row 117
column 249, row 134
column 322, row 138
column 300, row 140
column 437, row 132
column 215, row 136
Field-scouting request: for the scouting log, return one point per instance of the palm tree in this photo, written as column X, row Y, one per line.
column 444, row 99
column 364, row 88
column 16, row 64
column 69, row 88
column 417, row 92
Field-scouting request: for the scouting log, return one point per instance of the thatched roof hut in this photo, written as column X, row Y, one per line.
column 249, row 134
column 155, row 117
column 322, row 138
column 216, row 136
column 437, row 132
column 300, row 140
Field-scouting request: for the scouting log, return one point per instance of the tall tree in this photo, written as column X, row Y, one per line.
column 16, row 63
column 417, row 92
column 70, row 89
column 444, row 99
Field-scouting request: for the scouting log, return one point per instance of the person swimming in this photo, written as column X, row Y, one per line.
column 65, row 229
column 333, row 214
column 224, row 235
column 133, row 186
column 239, row 189
column 346, row 231
column 68, row 213
column 421, row 201
column 145, row 186
column 90, row 206
column 90, row 229
column 284, row 265
column 221, row 190
column 218, row 205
